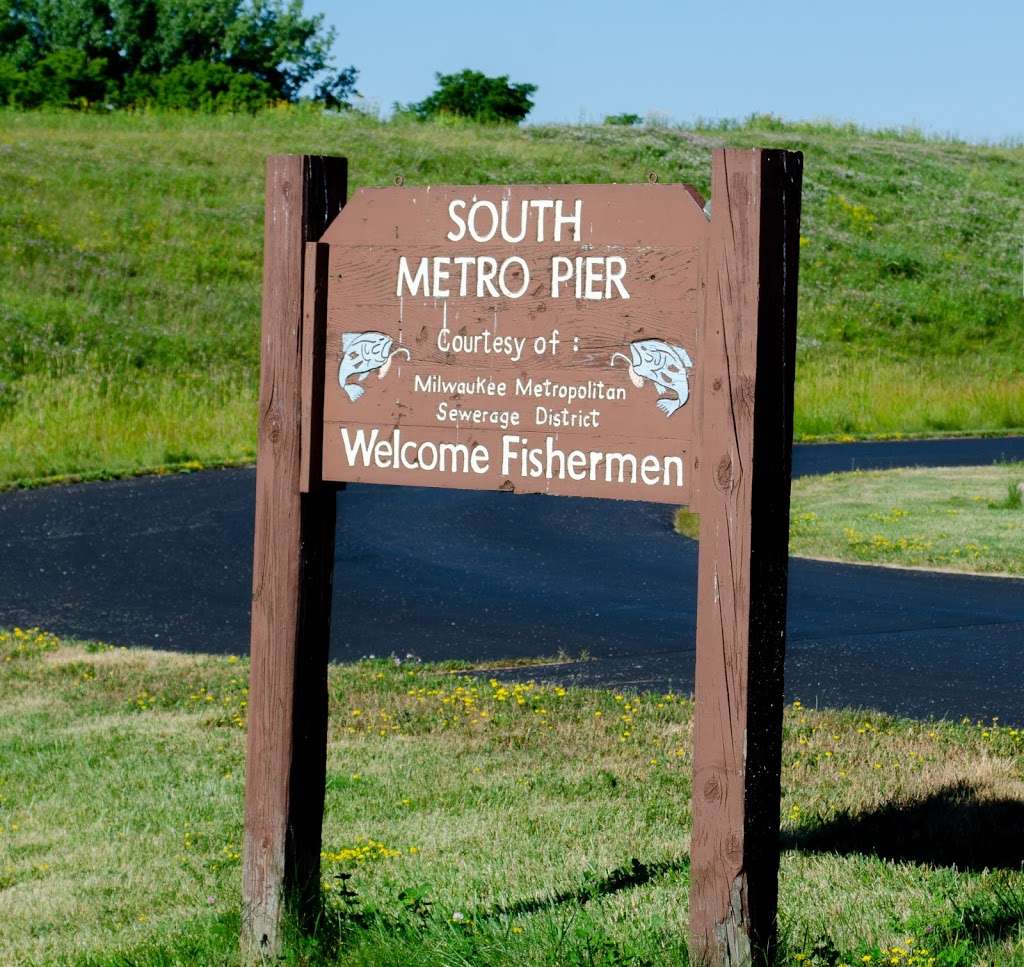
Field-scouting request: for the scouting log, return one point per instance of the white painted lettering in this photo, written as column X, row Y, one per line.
column 460, row 224
column 412, row 282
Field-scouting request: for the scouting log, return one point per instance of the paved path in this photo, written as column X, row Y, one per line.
column 443, row 574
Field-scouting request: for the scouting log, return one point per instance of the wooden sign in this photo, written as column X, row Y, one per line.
column 597, row 340
column 530, row 339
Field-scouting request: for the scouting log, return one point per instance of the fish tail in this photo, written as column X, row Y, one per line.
column 353, row 392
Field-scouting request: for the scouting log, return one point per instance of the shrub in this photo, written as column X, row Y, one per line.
column 472, row 94
column 625, row 120
column 10, row 81
column 64, row 78
column 200, row 85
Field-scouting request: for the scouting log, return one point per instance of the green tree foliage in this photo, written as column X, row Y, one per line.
column 623, row 120
column 203, row 85
column 336, row 89
column 64, row 76
column 471, row 94
column 212, row 54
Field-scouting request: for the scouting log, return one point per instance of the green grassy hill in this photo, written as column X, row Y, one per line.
column 130, row 269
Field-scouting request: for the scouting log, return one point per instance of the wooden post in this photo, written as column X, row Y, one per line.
column 293, row 562
column 747, row 430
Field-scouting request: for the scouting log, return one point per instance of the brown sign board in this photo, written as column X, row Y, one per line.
column 596, row 340
column 538, row 339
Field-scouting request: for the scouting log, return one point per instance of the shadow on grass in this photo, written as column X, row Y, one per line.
column 960, row 825
column 626, row 877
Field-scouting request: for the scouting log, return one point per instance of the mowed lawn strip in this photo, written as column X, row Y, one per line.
column 130, row 268
column 951, row 518
column 474, row 822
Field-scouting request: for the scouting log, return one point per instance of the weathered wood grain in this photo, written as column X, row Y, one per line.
column 292, row 568
column 746, row 439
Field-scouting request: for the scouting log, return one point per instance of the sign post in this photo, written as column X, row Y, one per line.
column 746, row 444
column 591, row 340
column 293, row 563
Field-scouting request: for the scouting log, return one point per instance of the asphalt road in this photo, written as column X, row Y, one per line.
column 166, row 562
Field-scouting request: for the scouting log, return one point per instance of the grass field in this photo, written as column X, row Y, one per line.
column 130, row 269
column 962, row 518
column 956, row 518
column 474, row 823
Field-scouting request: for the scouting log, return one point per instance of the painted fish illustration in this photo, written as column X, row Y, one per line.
column 361, row 354
column 664, row 365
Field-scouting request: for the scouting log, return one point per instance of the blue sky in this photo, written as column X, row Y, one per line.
column 941, row 66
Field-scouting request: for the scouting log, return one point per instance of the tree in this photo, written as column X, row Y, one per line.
column 474, row 95
column 338, row 88
column 182, row 53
